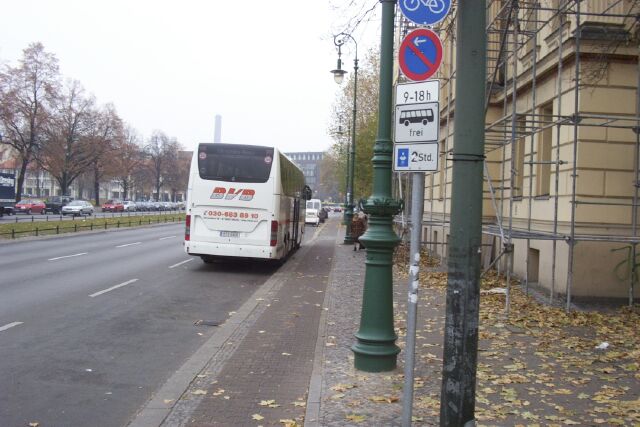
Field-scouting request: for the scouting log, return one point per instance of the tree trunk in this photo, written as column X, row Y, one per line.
column 23, row 171
column 38, row 172
column 158, row 189
column 96, row 184
column 64, row 185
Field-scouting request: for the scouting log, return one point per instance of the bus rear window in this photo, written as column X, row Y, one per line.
column 233, row 163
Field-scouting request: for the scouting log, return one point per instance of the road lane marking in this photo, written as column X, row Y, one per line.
column 10, row 325
column 67, row 256
column 168, row 237
column 104, row 291
column 182, row 262
column 128, row 244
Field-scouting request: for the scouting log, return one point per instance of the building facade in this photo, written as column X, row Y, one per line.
column 561, row 144
column 309, row 162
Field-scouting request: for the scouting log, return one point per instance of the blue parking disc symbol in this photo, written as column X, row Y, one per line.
column 403, row 158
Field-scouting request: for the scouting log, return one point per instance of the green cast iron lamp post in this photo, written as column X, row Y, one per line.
column 338, row 75
column 375, row 349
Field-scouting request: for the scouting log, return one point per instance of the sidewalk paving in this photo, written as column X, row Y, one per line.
column 539, row 367
column 291, row 347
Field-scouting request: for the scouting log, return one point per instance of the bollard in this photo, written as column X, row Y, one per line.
column 58, row 229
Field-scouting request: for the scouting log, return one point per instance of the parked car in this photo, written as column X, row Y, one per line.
column 54, row 204
column 130, row 206
column 78, row 208
column 113, row 206
column 29, row 206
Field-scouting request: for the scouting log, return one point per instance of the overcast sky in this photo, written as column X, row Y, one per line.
column 168, row 65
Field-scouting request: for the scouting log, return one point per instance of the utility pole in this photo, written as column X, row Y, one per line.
column 457, row 403
column 375, row 349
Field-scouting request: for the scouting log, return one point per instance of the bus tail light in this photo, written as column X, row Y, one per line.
column 274, row 233
column 187, row 230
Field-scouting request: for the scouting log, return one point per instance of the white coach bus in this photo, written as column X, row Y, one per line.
column 243, row 201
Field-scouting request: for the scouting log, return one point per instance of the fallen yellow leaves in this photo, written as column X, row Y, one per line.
column 342, row 387
column 538, row 366
column 269, row 403
column 384, row 399
column 356, row 418
column 257, row 417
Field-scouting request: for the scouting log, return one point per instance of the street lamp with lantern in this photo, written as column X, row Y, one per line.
column 338, row 76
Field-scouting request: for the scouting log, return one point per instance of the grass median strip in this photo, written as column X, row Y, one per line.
column 42, row 228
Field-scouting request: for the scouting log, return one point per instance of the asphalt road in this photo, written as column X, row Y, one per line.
column 91, row 324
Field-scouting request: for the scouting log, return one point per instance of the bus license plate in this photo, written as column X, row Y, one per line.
column 229, row 234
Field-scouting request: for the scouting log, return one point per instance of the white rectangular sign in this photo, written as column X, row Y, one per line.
column 418, row 93
column 415, row 157
column 417, row 123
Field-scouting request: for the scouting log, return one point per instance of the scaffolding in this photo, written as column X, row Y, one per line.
column 564, row 47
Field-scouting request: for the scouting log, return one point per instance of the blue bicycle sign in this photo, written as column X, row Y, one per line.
column 425, row 12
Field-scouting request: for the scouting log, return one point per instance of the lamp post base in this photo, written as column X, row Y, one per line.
column 375, row 349
column 378, row 356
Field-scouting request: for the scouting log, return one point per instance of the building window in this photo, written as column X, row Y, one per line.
column 517, row 162
column 545, row 142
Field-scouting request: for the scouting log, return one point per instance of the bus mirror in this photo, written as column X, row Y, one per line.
column 306, row 193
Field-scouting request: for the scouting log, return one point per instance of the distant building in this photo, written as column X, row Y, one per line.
column 309, row 162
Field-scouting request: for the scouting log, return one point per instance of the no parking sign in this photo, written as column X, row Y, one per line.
column 420, row 54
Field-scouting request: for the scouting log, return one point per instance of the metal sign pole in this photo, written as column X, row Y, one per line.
column 417, row 211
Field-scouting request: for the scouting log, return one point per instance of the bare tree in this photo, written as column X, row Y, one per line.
column 129, row 160
column 26, row 93
column 67, row 153
column 107, row 134
column 177, row 174
column 160, row 152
